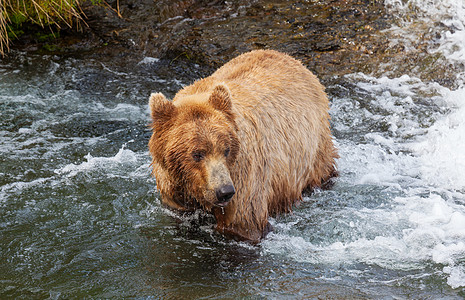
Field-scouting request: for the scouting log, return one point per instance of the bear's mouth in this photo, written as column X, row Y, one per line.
column 221, row 204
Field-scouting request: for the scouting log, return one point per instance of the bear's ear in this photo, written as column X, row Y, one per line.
column 220, row 99
column 161, row 109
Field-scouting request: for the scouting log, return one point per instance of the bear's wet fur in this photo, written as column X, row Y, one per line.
column 244, row 142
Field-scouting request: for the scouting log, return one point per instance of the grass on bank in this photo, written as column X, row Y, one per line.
column 41, row 12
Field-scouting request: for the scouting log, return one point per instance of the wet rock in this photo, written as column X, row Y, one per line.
column 331, row 37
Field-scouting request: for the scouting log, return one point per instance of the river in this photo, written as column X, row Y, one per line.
column 80, row 216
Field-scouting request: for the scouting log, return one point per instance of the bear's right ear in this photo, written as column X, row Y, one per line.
column 161, row 109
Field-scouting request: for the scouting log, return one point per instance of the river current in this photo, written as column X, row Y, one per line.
column 80, row 215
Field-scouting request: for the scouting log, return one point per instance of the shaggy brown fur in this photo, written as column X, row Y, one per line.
column 260, row 123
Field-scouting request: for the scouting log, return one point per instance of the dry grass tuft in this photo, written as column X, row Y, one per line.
column 41, row 12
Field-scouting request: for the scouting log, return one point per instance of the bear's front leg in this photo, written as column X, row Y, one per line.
column 236, row 229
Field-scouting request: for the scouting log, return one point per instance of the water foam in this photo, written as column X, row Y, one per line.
column 123, row 157
column 420, row 17
column 441, row 149
column 410, row 234
column 433, row 153
column 149, row 60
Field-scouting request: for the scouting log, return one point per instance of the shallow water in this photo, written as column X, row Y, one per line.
column 80, row 217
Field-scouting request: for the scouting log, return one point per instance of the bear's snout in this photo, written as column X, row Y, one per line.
column 224, row 194
column 220, row 186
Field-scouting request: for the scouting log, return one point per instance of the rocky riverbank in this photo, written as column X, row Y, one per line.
column 331, row 37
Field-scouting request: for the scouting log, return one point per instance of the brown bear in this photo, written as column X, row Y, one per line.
column 243, row 143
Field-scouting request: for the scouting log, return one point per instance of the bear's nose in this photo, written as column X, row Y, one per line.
column 225, row 193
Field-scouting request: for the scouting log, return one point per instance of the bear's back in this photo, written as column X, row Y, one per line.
column 273, row 77
column 259, row 64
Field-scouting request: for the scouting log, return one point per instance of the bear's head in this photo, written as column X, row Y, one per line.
column 194, row 142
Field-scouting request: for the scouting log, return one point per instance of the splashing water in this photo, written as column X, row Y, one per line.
column 79, row 214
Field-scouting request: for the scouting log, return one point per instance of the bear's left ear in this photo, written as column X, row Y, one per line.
column 220, row 99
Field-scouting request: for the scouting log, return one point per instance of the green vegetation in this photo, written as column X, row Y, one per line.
column 42, row 12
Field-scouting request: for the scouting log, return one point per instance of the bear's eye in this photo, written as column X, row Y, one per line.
column 198, row 156
column 227, row 151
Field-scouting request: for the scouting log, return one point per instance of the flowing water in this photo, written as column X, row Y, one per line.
column 80, row 217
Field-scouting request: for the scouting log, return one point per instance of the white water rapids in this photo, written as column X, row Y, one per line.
column 79, row 215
